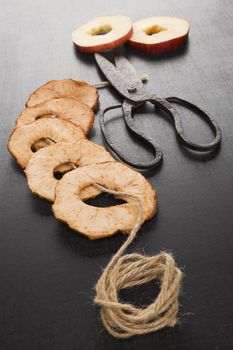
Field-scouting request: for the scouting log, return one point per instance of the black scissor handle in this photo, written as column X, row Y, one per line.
column 127, row 113
column 207, row 117
column 166, row 105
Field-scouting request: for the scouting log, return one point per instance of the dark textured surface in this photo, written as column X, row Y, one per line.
column 47, row 272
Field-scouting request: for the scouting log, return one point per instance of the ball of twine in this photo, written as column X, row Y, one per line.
column 123, row 320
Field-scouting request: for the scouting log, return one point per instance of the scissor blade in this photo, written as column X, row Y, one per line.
column 127, row 69
column 113, row 75
column 104, row 64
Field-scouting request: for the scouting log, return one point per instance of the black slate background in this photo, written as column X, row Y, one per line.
column 47, row 272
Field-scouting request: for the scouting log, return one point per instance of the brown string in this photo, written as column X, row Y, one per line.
column 123, row 320
column 103, row 84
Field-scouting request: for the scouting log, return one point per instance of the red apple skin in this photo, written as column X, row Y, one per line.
column 162, row 47
column 107, row 46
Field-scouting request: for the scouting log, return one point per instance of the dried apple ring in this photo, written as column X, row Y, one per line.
column 79, row 90
column 42, row 165
column 66, row 108
column 22, row 138
column 96, row 222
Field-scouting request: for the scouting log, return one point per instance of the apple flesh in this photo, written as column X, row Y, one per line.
column 102, row 33
column 159, row 34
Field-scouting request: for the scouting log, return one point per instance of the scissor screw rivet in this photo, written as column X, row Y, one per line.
column 132, row 89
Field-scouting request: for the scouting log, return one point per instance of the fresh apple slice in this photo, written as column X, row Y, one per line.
column 103, row 33
column 159, row 34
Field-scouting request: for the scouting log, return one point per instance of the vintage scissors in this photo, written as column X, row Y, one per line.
column 123, row 77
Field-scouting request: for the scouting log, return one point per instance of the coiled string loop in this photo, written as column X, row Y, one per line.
column 123, row 320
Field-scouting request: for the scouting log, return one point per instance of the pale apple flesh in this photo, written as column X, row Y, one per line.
column 103, row 33
column 159, row 34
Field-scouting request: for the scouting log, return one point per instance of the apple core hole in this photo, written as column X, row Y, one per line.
column 40, row 143
column 62, row 169
column 46, row 116
column 104, row 200
column 155, row 29
column 101, row 30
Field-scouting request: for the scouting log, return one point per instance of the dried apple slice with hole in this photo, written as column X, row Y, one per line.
column 44, row 163
column 102, row 33
column 159, row 34
column 95, row 222
column 22, row 138
column 79, row 90
column 66, row 108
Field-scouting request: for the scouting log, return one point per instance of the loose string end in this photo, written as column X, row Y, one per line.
column 102, row 84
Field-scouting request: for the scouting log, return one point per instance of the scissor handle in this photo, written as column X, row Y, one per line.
column 127, row 113
column 166, row 105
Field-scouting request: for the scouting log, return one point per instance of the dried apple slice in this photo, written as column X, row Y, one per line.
column 42, row 165
column 159, row 34
column 95, row 222
column 102, row 33
column 66, row 108
column 79, row 90
column 22, row 138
